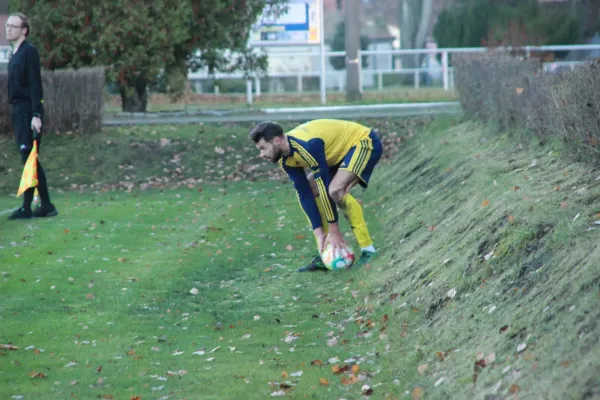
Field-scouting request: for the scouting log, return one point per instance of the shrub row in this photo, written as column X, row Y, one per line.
column 513, row 93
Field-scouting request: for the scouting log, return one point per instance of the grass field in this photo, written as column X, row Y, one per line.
column 487, row 286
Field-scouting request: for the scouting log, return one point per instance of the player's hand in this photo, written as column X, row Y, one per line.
column 321, row 238
column 36, row 124
column 336, row 240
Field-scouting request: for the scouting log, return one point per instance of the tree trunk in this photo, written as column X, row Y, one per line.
column 409, row 15
column 135, row 99
column 353, row 92
column 423, row 27
column 414, row 18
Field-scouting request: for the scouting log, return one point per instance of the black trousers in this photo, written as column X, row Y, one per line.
column 21, row 119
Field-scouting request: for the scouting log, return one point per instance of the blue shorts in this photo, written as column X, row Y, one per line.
column 362, row 158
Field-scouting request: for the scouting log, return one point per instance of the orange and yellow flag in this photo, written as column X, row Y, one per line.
column 29, row 178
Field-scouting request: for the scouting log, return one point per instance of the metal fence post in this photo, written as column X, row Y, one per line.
column 445, row 70
column 249, row 90
column 257, row 86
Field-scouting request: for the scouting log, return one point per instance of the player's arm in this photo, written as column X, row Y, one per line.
column 305, row 195
column 34, row 79
column 314, row 155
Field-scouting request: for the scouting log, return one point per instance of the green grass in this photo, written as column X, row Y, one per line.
column 107, row 284
column 454, row 208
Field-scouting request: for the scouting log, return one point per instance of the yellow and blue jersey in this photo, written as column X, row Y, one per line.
column 321, row 145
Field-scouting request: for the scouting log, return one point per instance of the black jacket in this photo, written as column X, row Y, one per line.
column 25, row 79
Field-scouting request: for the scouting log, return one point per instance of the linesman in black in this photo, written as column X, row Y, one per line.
column 27, row 98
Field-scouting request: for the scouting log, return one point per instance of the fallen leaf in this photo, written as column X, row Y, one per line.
column 89, row 296
column 503, row 329
column 8, row 347
column 316, row 362
column 514, row 388
column 521, row 347
column 355, row 368
column 349, row 381
column 528, row 356
column 511, row 219
column 451, row 293
column 565, row 364
column 332, row 342
column 485, row 203
column 422, row 368
column 563, row 204
column 367, row 390
column 323, row 381
column 40, row 375
column 194, row 291
column 519, row 90
column 136, row 398
column 289, row 247
column 219, row 150
column 284, row 375
column 417, row 393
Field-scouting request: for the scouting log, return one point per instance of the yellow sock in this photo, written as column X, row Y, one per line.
column 353, row 211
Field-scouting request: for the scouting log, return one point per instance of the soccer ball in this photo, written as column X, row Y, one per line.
column 337, row 260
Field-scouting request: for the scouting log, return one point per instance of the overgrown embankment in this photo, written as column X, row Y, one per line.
column 491, row 265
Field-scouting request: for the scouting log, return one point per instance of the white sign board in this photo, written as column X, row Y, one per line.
column 299, row 24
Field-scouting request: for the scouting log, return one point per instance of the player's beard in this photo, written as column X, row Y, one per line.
column 277, row 155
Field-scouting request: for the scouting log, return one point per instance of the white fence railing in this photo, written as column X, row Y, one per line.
column 374, row 77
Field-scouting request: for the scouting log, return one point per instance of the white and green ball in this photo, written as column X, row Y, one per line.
column 337, row 260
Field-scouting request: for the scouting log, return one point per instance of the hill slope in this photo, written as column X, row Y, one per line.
column 491, row 250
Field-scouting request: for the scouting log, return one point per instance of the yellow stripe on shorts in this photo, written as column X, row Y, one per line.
column 366, row 158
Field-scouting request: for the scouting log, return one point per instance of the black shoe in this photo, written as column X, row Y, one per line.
column 315, row 264
column 45, row 211
column 21, row 213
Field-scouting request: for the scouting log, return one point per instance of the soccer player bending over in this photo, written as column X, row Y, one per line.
column 340, row 154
